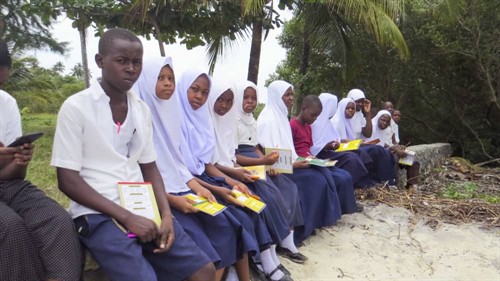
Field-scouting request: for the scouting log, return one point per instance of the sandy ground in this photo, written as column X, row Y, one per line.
column 386, row 243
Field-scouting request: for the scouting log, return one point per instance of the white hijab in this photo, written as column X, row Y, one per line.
column 378, row 133
column 166, row 126
column 246, row 123
column 198, row 143
column 357, row 120
column 341, row 123
column 224, row 126
column 323, row 131
column 273, row 127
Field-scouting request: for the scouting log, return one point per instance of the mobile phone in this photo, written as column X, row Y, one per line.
column 28, row 138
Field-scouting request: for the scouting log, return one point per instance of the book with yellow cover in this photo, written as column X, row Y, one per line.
column 250, row 202
column 352, row 145
column 284, row 164
column 257, row 172
column 139, row 198
column 318, row 162
column 202, row 204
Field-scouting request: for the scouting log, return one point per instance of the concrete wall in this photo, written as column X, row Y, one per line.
column 429, row 155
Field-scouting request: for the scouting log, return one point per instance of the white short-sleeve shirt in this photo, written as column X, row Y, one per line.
column 83, row 142
column 10, row 119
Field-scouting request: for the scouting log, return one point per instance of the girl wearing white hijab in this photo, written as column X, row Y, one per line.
column 217, row 236
column 275, row 215
column 377, row 160
column 361, row 124
column 248, row 154
column 320, row 204
column 323, row 136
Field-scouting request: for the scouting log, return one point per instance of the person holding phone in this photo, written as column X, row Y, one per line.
column 37, row 236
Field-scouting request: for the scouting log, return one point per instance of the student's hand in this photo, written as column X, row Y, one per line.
column 6, row 154
column 166, row 236
column 333, row 145
column 367, row 106
column 242, row 188
column 182, row 204
column 271, row 158
column 273, row 172
column 242, row 175
column 300, row 164
column 344, row 141
column 23, row 154
column 203, row 192
column 227, row 195
column 144, row 228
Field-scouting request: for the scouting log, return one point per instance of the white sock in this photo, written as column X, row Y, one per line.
column 231, row 274
column 289, row 244
column 274, row 255
column 269, row 266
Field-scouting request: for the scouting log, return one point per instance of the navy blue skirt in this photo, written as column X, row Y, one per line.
column 345, row 190
column 353, row 163
column 318, row 198
column 255, row 233
column 218, row 236
column 382, row 168
column 287, row 188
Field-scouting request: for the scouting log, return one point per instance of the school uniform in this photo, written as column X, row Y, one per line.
column 246, row 138
column 324, row 132
column 377, row 160
column 34, row 229
column 302, row 139
column 218, row 236
column 319, row 202
column 104, row 153
column 275, row 215
column 197, row 145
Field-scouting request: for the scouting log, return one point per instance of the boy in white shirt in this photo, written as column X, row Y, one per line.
column 104, row 136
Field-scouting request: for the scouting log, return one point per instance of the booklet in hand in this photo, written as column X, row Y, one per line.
column 202, row 204
column 318, row 162
column 352, row 145
column 251, row 202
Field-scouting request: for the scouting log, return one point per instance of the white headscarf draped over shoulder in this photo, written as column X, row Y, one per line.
column 358, row 119
column 378, row 133
column 166, row 125
column 246, row 123
column 323, row 131
column 340, row 122
column 273, row 128
column 198, row 144
column 224, row 126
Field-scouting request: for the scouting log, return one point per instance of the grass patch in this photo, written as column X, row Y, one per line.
column 40, row 172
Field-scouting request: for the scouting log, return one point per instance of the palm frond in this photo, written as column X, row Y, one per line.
column 218, row 46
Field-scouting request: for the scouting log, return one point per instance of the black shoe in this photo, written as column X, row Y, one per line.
column 295, row 257
column 284, row 278
column 283, row 268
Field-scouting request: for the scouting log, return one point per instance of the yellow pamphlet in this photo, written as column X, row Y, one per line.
column 318, row 162
column 202, row 204
column 284, row 164
column 249, row 201
column 257, row 172
column 352, row 145
column 139, row 198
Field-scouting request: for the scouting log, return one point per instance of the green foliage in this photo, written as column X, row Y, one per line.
column 39, row 171
column 466, row 190
column 258, row 110
column 447, row 90
column 26, row 24
column 39, row 89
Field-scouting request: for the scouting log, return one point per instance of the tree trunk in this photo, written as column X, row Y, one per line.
column 253, row 63
column 85, row 64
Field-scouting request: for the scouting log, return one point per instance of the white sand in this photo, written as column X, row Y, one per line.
column 385, row 243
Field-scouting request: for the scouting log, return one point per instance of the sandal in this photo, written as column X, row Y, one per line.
column 283, row 268
column 284, row 278
column 295, row 257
